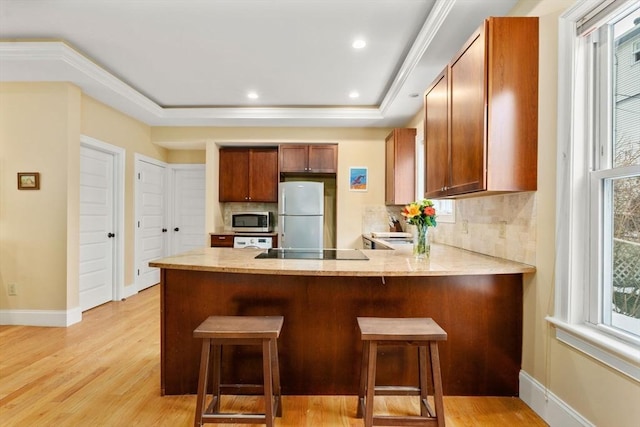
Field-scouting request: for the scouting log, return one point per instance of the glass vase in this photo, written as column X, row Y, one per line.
column 421, row 247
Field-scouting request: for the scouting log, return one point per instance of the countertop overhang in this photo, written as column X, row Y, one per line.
column 444, row 261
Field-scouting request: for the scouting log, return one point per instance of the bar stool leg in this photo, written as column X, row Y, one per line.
column 202, row 381
column 363, row 379
column 268, row 382
column 275, row 368
column 423, row 369
column 437, row 382
column 371, row 383
column 216, row 363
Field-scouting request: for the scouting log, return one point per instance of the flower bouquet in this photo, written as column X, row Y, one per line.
column 422, row 214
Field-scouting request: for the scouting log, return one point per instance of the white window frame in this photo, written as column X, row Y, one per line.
column 445, row 208
column 574, row 232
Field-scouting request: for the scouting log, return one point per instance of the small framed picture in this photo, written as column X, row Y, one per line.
column 358, row 178
column 28, row 180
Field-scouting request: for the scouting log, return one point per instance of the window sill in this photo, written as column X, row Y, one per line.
column 617, row 354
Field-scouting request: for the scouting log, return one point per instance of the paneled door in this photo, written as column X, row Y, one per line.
column 151, row 224
column 188, row 208
column 97, row 227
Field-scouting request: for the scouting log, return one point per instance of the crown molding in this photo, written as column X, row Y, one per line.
column 55, row 60
column 441, row 9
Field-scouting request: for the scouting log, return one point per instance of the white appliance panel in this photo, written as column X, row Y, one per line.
column 252, row 242
column 301, row 232
column 301, row 198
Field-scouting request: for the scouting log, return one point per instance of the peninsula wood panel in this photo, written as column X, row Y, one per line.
column 319, row 347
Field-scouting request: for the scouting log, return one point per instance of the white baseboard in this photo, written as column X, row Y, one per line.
column 52, row 318
column 547, row 405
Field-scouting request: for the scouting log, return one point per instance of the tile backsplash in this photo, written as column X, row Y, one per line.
column 503, row 226
column 376, row 218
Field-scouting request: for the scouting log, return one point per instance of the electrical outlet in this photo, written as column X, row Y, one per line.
column 12, row 289
column 465, row 226
column 502, row 230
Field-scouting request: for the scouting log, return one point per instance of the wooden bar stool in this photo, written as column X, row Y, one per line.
column 421, row 332
column 217, row 331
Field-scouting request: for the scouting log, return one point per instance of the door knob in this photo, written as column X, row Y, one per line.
column 110, row 235
column 176, row 229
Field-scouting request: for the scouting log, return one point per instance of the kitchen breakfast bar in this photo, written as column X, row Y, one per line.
column 475, row 298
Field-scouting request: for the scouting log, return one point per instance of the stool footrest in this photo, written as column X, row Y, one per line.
column 388, row 390
column 243, row 389
column 381, row 420
column 234, row 418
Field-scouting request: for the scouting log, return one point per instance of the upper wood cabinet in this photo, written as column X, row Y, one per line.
column 481, row 114
column 400, row 170
column 436, row 128
column 248, row 175
column 308, row 158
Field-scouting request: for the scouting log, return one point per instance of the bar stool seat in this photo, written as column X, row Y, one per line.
column 421, row 332
column 217, row 331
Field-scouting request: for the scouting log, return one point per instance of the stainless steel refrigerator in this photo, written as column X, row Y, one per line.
column 301, row 214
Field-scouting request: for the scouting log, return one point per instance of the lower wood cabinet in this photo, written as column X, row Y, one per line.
column 222, row 240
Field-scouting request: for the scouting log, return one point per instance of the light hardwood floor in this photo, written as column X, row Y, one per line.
column 105, row 371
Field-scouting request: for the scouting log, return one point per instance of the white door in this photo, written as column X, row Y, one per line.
column 151, row 228
column 97, row 227
column 188, row 208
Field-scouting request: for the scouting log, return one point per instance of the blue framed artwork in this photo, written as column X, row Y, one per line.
column 358, row 178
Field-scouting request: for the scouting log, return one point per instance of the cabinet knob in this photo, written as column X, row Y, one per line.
column 110, row 235
column 176, row 229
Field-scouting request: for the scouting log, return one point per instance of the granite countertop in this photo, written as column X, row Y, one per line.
column 444, row 261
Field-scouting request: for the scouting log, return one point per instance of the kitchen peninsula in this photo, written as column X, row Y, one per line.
column 477, row 299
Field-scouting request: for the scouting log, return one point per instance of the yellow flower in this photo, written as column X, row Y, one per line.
column 410, row 211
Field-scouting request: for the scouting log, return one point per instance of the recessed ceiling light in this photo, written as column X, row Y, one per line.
column 354, row 94
column 252, row 95
column 359, row 44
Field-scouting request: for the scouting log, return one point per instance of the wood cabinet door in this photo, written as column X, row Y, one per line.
column 389, row 169
column 323, row 158
column 263, row 175
column 233, row 176
column 293, row 158
column 467, row 97
column 436, row 131
column 400, row 169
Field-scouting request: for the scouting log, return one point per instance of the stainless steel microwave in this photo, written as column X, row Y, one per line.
column 253, row 222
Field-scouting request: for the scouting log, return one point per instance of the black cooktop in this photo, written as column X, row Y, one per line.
column 338, row 254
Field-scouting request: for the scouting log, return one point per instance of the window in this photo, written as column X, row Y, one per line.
column 598, row 250
column 445, row 208
column 636, row 51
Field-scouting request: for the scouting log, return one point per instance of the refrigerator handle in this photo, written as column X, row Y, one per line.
column 284, row 205
column 282, row 238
